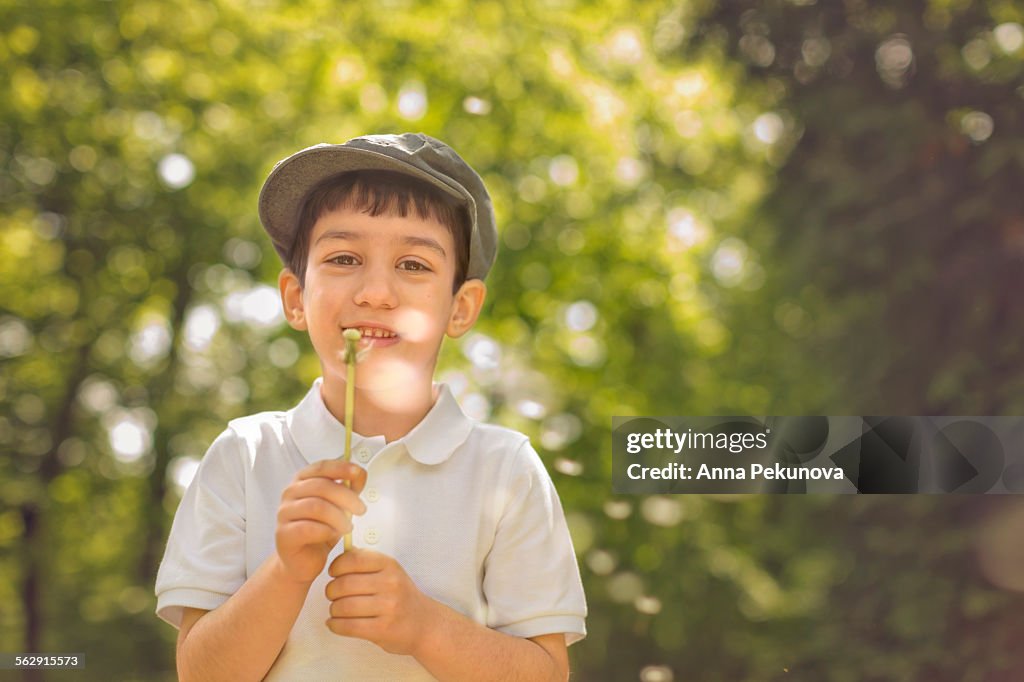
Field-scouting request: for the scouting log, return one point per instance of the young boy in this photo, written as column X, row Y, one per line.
column 462, row 567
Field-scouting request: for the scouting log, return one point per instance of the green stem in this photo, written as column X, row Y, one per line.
column 351, row 340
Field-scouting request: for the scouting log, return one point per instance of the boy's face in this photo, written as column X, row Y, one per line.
column 391, row 278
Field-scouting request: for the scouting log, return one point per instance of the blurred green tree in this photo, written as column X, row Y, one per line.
column 899, row 232
column 650, row 166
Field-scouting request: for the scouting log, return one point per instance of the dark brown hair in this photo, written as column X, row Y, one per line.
column 380, row 192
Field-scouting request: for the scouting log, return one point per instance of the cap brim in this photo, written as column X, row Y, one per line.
column 290, row 181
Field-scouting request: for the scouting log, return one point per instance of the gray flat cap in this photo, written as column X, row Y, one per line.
column 415, row 154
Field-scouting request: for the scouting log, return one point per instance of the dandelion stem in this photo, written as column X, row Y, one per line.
column 352, row 337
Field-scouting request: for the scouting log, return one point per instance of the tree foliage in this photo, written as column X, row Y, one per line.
column 704, row 209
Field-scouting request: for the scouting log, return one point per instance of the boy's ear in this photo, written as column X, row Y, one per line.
column 291, row 299
column 469, row 300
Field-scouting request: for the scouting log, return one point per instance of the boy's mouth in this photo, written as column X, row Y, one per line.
column 373, row 332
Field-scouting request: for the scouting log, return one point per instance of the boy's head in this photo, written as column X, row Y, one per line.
column 391, row 235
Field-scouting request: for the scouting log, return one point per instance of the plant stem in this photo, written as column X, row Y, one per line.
column 351, row 339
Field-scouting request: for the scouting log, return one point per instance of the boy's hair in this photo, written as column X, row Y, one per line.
column 380, row 192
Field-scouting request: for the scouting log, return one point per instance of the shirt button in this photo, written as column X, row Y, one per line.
column 371, row 536
column 363, row 455
column 372, row 495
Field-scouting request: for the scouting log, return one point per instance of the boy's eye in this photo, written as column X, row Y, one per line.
column 413, row 266
column 343, row 259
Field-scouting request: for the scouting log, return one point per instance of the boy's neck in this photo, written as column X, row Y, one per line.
column 388, row 413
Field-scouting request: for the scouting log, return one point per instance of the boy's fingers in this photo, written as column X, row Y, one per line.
column 355, row 607
column 360, row 628
column 350, row 585
column 315, row 509
column 336, row 493
column 357, row 560
column 359, row 482
column 335, row 469
column 330, row 468
column 313, row 532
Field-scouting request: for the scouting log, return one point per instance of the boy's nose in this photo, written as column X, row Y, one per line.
column 376, row 290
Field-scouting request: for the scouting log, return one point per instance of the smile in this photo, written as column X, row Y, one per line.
column 374, row 332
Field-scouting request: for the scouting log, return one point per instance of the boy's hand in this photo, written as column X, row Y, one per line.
column 373, row 598
column 315, row 513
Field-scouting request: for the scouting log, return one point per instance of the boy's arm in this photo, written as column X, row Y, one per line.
column 373, row 598
column 458, row 648
column 241, row 638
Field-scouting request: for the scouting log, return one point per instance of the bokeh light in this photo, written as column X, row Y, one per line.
column 581, row 316
column 569, row 467
column 685, row 230
column 97, row 394
column 176, row 171
column 15, row 337
column 476, row 106
column 625, row 586
column 563, row 170
column 1009, row 37
column 662, row 510
column 182, row 471
column 977, row 125
column 283, row 352
column 201, row 325
column 893, row 60
column 412, row 101
column 618, row 509
column 601, row 562
column 476, row 406
column 259, row 307
column 151, row 342
column 729, row 262
column 560, row 430
column 656, row 673
column 130, row 432
column 768, row 127
column 483, row 351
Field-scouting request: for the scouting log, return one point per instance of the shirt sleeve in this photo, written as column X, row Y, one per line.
column 204, row 561
column 531, row 578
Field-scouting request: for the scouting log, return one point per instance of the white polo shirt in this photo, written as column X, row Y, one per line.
column 466, row 508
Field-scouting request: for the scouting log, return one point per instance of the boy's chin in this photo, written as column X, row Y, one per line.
column 381, row 376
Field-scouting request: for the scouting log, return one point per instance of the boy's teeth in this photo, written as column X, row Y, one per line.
column 375, row 333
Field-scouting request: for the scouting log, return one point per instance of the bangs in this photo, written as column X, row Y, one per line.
column 377, row 193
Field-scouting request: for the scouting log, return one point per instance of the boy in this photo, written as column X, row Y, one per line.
column 462, row 566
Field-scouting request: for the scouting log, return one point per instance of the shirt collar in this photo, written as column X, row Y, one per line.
column 319, row 435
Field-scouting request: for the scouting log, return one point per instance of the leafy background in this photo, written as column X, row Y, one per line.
column 782, row 207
